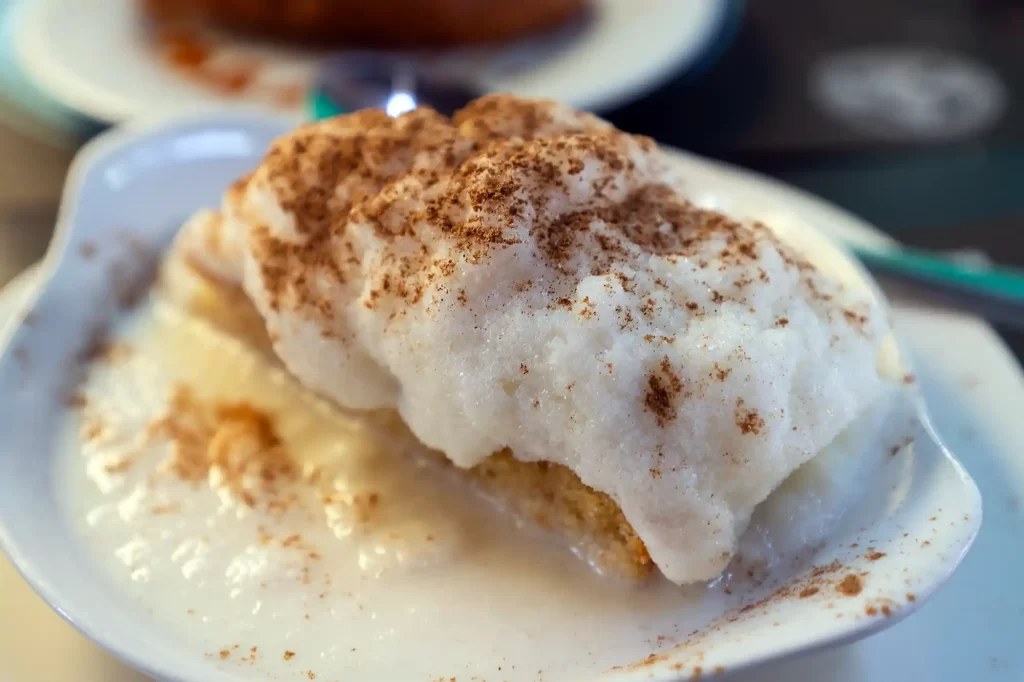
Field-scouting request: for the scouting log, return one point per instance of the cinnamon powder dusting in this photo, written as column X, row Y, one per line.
column 663, row 388
column 233, row 444
column 748, row 420
column 850, row 585
column 474, row 180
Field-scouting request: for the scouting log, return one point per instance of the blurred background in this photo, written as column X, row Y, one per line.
column 905, row 112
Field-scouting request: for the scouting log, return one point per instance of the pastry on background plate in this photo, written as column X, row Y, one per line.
column 382, row 23
column 534, row 294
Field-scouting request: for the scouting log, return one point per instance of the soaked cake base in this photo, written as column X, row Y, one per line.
column 553, row 497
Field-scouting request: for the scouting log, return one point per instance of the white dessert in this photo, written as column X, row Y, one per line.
column 502, row 281
column 526, row 277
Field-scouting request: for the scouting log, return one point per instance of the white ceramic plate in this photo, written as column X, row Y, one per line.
column 145, row 179
column 92, row 56
column 23, row 106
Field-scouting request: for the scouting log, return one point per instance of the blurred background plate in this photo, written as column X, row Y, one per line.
column 95, row 57
column 23, row 105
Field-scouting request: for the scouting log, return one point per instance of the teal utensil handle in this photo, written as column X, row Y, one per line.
column 321, row 107
column 1002, row 283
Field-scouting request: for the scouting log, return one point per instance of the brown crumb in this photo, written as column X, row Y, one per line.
column 870, row 610
column 224, row 653
column 93, row 429
column 911, row 597
column 237, row 440
column 721, row 374
column 850, row 585
column 872, row 555
column 288, row 655
column 131, row 283
column 808, row 592
column 886, row 611
column 663, row 388
column 22, row 356
column 106, row 351
column 748, row 421
column 855, row 318
column 833, row 567
column 119, row 465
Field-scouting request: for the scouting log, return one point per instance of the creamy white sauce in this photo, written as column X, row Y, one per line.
column 433, row 583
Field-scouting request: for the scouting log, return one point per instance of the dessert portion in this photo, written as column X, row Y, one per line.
column 194, row 277
column 532, row 292
column 384, row 23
